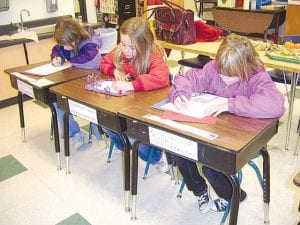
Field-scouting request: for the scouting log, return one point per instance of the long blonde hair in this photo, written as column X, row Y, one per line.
column 143, row 40
column 236, row 56
column 68, row 31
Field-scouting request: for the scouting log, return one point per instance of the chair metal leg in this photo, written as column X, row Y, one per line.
column 51, row 130
column 297, row 147
column 179, row 194
column 90, row 133
column 111, row 147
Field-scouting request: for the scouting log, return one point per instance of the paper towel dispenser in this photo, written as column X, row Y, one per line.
column 4, row 5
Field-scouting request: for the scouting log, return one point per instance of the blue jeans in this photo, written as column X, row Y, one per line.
column 73, row 125
column 197, row 184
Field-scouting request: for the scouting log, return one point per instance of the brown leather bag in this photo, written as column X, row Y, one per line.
column 174, row 25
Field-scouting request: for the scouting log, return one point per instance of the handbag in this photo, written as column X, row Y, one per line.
column 174, row 25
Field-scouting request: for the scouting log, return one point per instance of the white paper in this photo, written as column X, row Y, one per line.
column 47, row 69
column 198, row 104
column 180, row 126
column 173, row 143
column 106, row 86
column 42, row 82
column 83, row 111
column 25, row 88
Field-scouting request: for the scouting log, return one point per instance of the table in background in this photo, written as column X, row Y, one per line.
column 238, row 142
column 249, row 21
column 210, row 49
column 42, row 94
column 102, row 109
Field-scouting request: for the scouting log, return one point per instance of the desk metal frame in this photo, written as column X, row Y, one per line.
column 43, row 94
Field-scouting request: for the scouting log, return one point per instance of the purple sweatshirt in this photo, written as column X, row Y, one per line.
column 88, row 56
column 256, row 98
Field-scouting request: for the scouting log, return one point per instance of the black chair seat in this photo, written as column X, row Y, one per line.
column 278, row 76
column 197, row 62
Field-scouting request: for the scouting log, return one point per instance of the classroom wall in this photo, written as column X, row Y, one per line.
column 37, row 9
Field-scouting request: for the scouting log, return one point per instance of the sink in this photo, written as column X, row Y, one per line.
column 43, row 29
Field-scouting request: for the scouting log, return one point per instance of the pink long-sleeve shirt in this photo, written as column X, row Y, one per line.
column 256, row 98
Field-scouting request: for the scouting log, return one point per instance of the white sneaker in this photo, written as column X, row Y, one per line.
column 78, row 140
column 163, row 164
column 219, row 205
column 204, row 202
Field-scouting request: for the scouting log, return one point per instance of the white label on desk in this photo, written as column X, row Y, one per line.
column 173, row 143
column 83, row 111
column 180, row 126
column 25, row 88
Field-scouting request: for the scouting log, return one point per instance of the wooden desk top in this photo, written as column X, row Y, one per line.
column 210, row 49
column 239, row 138
column 57, row 78
column 76, row 90
column 234, row 132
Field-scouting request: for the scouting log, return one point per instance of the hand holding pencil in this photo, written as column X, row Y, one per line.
column 57, row 61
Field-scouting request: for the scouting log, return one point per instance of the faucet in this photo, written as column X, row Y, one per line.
column 21, row 17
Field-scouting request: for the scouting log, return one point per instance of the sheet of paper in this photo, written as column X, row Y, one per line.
column 83, row 111
column 46, row 69
column 25, row 88
column 198, row 104
column 170, row 115
column 106, row 86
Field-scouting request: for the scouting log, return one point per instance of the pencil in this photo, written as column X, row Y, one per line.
column 176, row 90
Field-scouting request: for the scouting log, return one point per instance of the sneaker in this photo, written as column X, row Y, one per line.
column 204, row 202
column 219, row 205
column 163, row 164
column 243, row 195
column 78, row 140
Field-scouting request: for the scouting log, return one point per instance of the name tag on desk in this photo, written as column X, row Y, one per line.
column 25, row 88
column 83, row 111
column 174, row 143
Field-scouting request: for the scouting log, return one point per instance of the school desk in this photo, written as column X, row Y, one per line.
column 24, row 86
column 211, row 48
column 102, row 109
column 238, row 140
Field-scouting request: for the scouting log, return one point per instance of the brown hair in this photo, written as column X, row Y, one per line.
column 236, row 56
column 68, row 31
column 143, row 39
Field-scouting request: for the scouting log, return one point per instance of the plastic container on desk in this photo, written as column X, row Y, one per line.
column 109, row 37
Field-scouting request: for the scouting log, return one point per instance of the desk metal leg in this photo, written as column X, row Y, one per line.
column 56, row 134
column 21, row 113
column 235, row 199
column 67, row 141
column 134, row 177
column 126, row 152
column 294, row 81
column 26, row 53
column 266, row 183
column 103, row 135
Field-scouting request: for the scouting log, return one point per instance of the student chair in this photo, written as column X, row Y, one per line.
column 151, row 157
column 240, row 178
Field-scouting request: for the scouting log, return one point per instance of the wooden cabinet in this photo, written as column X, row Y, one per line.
column 14, row 56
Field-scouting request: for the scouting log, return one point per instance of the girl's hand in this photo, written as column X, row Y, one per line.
column 181, row 102
column 122, row 86
column 56, row 61
column 120, row 76
column 217, row 109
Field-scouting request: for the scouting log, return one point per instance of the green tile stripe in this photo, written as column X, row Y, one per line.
column 43, row 105
column 9, row 167
column 75, row 219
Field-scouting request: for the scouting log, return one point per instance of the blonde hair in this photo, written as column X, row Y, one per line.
column 236, row 56
column 68, row 31
column 143, row 40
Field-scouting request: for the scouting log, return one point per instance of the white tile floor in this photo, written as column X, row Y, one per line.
column 44, row 196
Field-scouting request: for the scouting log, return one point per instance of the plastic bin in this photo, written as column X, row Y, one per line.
column 109, row 37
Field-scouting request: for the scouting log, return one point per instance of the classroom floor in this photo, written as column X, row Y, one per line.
column 33, row 192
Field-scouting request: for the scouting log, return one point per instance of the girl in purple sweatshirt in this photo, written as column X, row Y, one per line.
column 77, row 46
column 237, row 74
